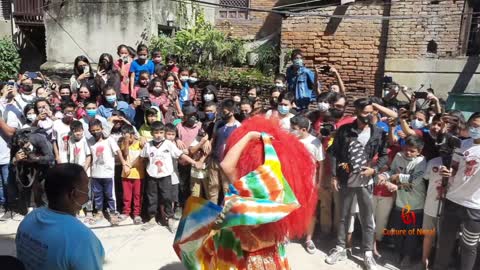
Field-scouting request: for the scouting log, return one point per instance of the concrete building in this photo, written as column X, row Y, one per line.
column 5, row 18
column 435, row 44
column 91, row 28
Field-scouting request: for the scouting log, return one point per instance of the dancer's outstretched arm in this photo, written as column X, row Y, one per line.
column 230, row 160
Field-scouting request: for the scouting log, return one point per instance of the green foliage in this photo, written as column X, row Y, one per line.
column 9, row 59
column 239, row 77
column 203, row 46
column 268, row 58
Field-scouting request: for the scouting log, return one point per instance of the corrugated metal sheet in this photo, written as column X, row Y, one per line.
column 5, row 9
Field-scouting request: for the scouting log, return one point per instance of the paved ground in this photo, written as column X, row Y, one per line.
column 128, row 247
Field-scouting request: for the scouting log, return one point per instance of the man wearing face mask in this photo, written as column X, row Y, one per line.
column 26, row 95
column 301, row 81
column 246, row 110
column 217, row 183
column 54, row 231
column 351, row 154
column 461, row 207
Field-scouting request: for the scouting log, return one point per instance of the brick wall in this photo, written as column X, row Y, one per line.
column 356, row 48
column 409, row 38
column 258, row 24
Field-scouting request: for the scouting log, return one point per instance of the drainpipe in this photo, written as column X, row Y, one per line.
column 11, row 20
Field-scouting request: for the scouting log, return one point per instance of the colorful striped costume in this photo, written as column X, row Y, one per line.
column 260, row 197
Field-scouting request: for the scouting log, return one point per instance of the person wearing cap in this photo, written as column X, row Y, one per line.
column 187, row 131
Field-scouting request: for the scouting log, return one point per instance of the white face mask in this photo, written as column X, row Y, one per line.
column 417, row 124
column 142, row 57
column 323, row 106
column 184, row 78
column 279, row 85
column 208, row 97
column 31, row 117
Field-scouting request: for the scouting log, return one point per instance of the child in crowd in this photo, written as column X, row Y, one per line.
column 160, row 154
column 142, row 84
column 171, row 135
column 406, row 177
column 151, row 115
column 157, row 59
column 79, row 153
column 61, row 131
column 187, row 93
column 103, row 151
column 280, row 81
column 123, row 66
column 91, row 107
column 200, row 149
column 78, row 149
column 172, row 64
column 140, row 64
column 131, row 149
column 187, row 131
column 300, row 126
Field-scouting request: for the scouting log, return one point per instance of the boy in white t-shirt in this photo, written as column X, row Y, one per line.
column 61, row 132
column 103, row 170
column 79, row 153
column 160, row 154
column 171, row 135
column 300, row 126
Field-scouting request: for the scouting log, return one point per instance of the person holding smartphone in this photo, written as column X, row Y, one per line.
column 123, row 64
column 83, row 74
column 107, row 74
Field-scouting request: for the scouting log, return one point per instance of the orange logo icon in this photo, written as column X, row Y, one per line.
column 407, row 216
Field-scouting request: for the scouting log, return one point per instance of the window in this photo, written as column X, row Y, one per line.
column 473, row 42
column 234, row 13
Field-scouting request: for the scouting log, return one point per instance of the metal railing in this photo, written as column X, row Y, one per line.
column 28, row 12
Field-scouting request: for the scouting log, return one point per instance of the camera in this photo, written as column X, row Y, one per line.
column 420, row 95
column 146, row 103
column 325, row 69
column 326, row 129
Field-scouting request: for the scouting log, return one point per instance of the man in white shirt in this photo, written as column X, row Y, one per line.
column 300, row 126
column 10, row 121
column 462, row 203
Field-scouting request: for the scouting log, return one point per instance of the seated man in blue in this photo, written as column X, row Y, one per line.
column 53, row 238
column 301, row 81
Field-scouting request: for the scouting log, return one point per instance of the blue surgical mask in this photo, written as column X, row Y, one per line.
column 298, row 62
column 474, row 133
column 417, row 124
column 111, row 99
column 210, row 115
column 91, row 112
column 283, row 110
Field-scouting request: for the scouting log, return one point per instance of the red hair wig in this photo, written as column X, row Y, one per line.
column 297, row 167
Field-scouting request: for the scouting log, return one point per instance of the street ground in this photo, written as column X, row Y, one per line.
column 128, row 247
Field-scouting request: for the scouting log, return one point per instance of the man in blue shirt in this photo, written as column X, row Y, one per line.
column 301, row 81
column 53, row 238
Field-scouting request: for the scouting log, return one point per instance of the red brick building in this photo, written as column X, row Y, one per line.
column 249, row 25
column 431, row 44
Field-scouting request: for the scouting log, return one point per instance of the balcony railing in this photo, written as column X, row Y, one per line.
column 28, row 12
